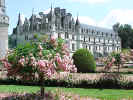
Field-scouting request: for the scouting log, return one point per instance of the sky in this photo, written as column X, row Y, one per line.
column 102, row 13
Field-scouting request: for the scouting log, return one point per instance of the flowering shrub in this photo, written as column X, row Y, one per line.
column 118, row 59
column 39, row 59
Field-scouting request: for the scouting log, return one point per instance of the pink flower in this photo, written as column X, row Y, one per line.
column 22, row 61
column 41, row 63
column 52, row 39
column 6, row 64
column 40, row 54
column 58, row 60
column 113, row 60
column 49, row 73
column 40, row 47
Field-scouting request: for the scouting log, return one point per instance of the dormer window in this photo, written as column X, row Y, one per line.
column 111, row 34
column 87, row 31
column 82, row 30
column 102, row 33
column 106, row 34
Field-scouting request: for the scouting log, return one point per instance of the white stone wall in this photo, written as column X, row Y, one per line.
column 3, row 41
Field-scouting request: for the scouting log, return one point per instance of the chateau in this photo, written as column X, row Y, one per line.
column 4, row 23
column 59, row 23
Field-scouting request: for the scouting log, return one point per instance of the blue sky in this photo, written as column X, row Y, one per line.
column 103, row 13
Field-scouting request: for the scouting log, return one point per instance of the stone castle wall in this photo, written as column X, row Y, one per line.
column 3, row 40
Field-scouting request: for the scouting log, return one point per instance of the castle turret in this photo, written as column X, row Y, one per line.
column 19, row 20
column 19, row 25
column 52, row 21
column 26, row 25
column 77, row 31
column 4, row 23
column 77, row 25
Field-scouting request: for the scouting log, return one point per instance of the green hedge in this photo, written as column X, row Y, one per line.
column 108, row 81
column 84, row 61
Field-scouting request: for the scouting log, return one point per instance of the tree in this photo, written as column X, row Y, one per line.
column 126, row 34
column 39, row 60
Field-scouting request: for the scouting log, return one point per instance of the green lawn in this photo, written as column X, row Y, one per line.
column 108, row 94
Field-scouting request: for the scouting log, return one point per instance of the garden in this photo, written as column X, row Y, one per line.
column 44, row 70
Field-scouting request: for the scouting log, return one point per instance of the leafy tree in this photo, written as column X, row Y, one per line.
column 39, row 60
column 126, row 34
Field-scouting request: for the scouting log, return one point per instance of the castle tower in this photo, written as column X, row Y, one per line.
column 4, row 23
column 52, row 12
column 77, row 30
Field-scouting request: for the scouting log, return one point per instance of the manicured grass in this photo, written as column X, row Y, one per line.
column 105, row 94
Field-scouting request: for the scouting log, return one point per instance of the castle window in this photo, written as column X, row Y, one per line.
column 99, row 47
column 66, row 35
column 82, row 30
column 108, row 41
column 117, row 48
column 73, row 47
column 89, row 39
column 94, row 40
column 70, row 25
column 89, row 47
column 87, row 31
column 73, row 37
column 102, row 33
column 86, row 46
column 59, row 35
column 106, row 34
column 96, row 48
column 92, row 31
column 84, row 38
column 111, row 34
column 97, row 32
column 99, row 40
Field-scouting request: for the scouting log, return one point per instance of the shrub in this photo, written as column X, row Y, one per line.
column 84, row 61
column 39, row 59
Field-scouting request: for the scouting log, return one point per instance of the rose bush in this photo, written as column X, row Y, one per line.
column 39, row 59
column 118, row 59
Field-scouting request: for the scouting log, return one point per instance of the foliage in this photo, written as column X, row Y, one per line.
column 39, row 60
column 84, row 61
column 43, row 58
column 118, row 59
column 126, row 34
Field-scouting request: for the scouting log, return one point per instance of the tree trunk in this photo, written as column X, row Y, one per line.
column 42, row 90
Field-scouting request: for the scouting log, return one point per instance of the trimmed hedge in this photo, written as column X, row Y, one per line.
column 108, row 81
column 84, row 61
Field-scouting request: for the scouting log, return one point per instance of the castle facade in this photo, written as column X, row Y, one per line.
column 59, row 23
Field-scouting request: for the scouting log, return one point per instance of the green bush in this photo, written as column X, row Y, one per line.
column 84, row 61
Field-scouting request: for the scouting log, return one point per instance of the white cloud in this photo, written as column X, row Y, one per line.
column 47, row 11
column 86, row 20
column 123, row 16
column 22, row 18
column 90, row 1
